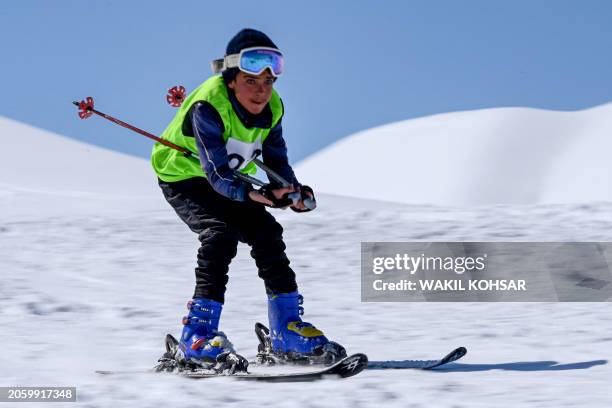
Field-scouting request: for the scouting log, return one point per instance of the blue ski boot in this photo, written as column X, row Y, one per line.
column 201, row 344
column 292, row 340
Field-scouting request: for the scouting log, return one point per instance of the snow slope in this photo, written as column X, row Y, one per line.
column 69, row 175
column 491, row 156
column 95, row 271
column 49, row 162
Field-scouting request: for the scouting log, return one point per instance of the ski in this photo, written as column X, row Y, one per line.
column 343, row 368
column 347, row 367
column 454, row 355
column 266, row 357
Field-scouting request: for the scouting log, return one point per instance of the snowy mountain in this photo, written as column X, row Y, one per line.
column 96, row 268
column 490, row 156
column 47, row 161
column 68, row 175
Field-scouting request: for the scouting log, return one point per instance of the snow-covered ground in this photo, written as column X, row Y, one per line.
column 96, row 268
column 482, row 157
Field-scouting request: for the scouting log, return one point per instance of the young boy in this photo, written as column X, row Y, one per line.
column 229, row 120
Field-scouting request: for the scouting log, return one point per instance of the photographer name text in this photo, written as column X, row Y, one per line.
column 434, row 285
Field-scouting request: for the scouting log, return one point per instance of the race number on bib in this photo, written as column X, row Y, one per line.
column 240, row 154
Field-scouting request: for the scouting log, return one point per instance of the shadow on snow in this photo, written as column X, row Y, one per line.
column 517, row 366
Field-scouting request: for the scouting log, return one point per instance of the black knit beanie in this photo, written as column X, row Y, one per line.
column 246, row 38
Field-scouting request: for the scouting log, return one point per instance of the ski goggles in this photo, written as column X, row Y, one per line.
column 252, row 61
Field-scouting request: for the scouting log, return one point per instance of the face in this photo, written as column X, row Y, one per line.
column 253, row 91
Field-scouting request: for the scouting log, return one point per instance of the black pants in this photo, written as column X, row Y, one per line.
column 220, row 223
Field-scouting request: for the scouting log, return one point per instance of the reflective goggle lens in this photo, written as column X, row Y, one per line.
column 255, row 61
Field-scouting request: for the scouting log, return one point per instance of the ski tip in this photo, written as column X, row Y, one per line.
column 351, row 365
column 453, row 356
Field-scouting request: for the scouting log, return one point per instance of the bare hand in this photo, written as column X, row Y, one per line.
column 256, row 196
column 278, row 194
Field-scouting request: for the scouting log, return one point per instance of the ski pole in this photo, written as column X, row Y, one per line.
column 294, row 197
column 249, row 179
column 86, row 110
column 308, row 202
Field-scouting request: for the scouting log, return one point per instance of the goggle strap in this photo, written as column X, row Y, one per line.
column 232, row 61
column 221, row 64
column 217, row 66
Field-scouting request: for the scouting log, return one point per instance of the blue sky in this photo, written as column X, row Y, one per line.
column 350, row 65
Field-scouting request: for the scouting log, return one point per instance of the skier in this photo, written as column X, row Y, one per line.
column 229, row 120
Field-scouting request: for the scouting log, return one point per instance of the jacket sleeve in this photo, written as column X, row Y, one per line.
column 274, row 153
column 208, row 131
